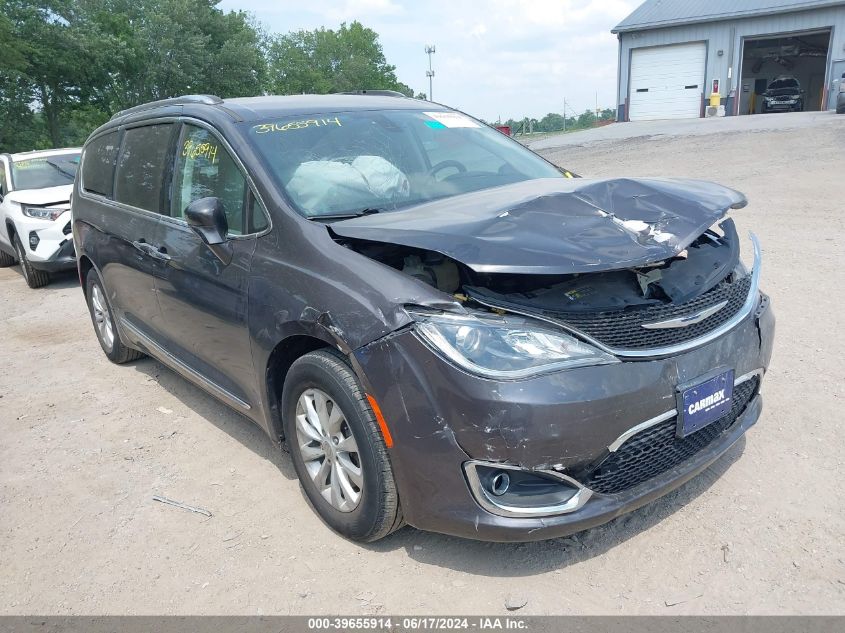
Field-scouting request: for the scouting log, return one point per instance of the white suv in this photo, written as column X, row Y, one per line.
column 35, row 212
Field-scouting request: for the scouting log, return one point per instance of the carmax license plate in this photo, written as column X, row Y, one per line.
column 704, row 403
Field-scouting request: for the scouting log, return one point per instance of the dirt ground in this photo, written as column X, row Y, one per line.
column 85, row 445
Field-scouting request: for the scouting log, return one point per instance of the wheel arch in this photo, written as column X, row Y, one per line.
column 283, row 355
column 85, row 266
column 11, row 231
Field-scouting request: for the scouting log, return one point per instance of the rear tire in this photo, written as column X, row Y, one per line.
column 33, row 278
column 337, row 448
column 105, row 327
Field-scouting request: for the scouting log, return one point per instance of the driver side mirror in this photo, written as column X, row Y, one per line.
column 207, row 218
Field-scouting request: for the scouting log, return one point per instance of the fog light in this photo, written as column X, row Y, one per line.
column 33, row 240
column 512, row 491
column 500, row 483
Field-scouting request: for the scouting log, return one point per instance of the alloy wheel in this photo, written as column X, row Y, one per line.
column 102, row 318
column 329, row 450
column 22, row 259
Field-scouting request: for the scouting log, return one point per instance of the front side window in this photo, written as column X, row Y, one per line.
column 363, row 161
column 142, row 166
column 44, row 171
column 98, row 164
column 204, row 169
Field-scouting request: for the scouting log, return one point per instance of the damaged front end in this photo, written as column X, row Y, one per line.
column 558, row 394
column 656, row 310
column 652, row 277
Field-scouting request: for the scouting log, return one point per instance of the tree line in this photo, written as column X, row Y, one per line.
column 68, row 65
column 555, row 122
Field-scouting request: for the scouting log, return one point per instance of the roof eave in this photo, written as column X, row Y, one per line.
column 648, row 26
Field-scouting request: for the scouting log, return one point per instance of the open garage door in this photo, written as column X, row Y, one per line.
column 773, row 64
column 667, row 82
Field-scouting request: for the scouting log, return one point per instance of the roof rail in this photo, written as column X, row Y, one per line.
column 184, row 99
column 378, row 93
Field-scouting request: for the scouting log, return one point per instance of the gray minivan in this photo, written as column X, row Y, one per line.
column 443, row 328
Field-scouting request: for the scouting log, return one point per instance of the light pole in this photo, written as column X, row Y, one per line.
column 429, row 49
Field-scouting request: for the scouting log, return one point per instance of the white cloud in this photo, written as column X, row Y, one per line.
column 499, row 58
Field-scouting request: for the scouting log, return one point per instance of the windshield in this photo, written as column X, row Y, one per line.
column 348, row 163
column 44, row 171
column 781, row 84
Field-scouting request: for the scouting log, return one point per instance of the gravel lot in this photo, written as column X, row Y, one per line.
column 85, row 446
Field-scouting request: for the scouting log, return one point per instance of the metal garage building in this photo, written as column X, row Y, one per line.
column 672, row 51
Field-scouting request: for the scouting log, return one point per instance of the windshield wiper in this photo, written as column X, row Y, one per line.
column 347, row 214
column 60, row 170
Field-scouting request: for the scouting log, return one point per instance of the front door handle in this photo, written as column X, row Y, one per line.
column 151, row 251
column 159, row 253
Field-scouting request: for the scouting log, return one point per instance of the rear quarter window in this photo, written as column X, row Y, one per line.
column 98, row 163
column 142, row 165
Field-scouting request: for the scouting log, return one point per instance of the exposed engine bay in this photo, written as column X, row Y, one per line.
column 631, row 265
column 707, row 261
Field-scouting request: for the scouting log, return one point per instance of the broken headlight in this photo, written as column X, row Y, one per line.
column 505, row 348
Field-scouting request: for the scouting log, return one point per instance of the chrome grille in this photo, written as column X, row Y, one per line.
column 623, row 329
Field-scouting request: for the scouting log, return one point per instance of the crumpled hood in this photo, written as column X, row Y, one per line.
column 42, row 197
column 556, row 226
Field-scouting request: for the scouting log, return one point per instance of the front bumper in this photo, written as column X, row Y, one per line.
column 441, row 417
column 782, row 106
column 54, row 251
column 62, row 259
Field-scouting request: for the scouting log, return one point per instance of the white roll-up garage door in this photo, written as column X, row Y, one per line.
column 667, row 82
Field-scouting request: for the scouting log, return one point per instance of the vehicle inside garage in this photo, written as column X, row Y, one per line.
column 788, row 58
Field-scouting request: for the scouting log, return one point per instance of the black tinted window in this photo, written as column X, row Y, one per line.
column 98, row 164
column 142, row 165
column 778, row 84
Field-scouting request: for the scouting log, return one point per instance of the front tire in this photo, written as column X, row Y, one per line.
column 105, row 327
column 6, row 260
column 337, row 448
column 33, row 278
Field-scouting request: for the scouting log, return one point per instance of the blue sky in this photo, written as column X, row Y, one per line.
column 496, row 58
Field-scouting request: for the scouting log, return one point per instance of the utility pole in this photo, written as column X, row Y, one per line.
column 429, row 49
column 564, row 114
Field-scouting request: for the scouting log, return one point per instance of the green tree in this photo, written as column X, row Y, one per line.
column 608, row 114
column 68, row 65
column 587, row 119
column 552, row 122
column 326, row 60
column 155, row 49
